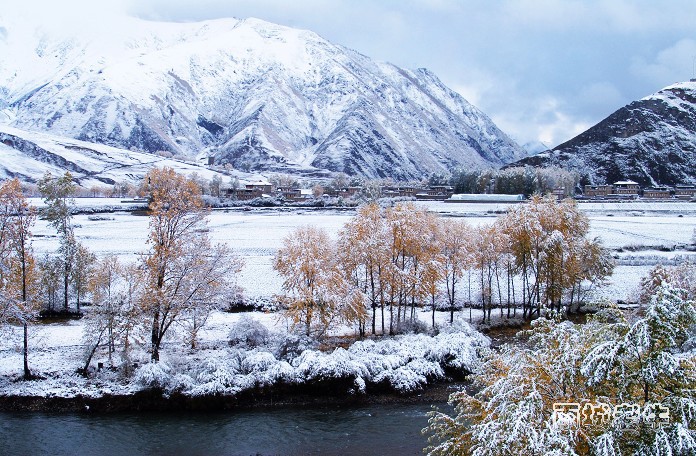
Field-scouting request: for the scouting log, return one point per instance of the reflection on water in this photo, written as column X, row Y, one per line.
column 373, row 429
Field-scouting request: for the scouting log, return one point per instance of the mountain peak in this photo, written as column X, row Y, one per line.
column 651, row 141
column 254, row 94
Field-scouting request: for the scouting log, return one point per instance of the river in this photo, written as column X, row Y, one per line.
column 379, row 429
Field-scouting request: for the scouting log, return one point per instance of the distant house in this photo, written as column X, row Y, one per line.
column 435, row 193
column 289, row 193
column 244, row 194
column 250, row 191
column 396, row 192
column 627, row 187
column 559, row 193
column 598, row 191
column 349, row 192
column 657, row 193
column 263, row 186
column 685, row 192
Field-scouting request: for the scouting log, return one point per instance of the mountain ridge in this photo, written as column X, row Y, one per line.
column 257, row 95
column 651, row 141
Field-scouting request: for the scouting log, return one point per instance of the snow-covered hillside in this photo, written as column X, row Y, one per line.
column 651, row 141
column 28, row 155
column 247, row 92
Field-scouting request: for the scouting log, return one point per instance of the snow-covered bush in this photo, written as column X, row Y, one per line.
column 249, row 332
column 455, row 350
column 214, row 376
column 289, row 346
column 415, row 326
column 257, row 362
column 405, row 363
column 153, row 375
column 315, row 365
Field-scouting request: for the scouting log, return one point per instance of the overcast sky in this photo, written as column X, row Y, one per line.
column 543, row 70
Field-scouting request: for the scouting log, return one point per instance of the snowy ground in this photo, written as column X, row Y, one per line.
column 406, row 362
column 643, row 230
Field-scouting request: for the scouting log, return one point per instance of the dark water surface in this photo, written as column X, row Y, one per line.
column 379, row 429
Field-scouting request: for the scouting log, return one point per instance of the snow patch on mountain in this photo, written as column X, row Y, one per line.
column 29, row 155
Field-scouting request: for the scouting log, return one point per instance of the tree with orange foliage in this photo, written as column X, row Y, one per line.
column 315, row 286
column 364, row 257
column 410, row 239
column 17, row 266
column 456, row 255
column 182, row 270
column 552, row 252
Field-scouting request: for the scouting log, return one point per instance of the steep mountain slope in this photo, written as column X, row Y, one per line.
column 28, row 155
column 250, row 93
column 651, row 141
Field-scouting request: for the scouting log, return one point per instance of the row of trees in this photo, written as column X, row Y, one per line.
column 176, row 282
column 400, row 258
column 518, row 180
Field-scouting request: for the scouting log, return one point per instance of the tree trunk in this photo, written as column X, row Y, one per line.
column 66, row 283
column 433, row 311
column 91, row 353
column 155, row 337
column 25, row 352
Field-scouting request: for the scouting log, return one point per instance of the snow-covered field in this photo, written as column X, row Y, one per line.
column 647, row 228
column 406, row 363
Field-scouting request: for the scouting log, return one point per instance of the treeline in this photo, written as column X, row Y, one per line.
column 512, row 181
column 176, row 282
column 387, row 262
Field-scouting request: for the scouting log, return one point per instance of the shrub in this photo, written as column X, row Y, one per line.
column 249, row 332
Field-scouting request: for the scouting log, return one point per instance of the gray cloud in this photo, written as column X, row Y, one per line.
column 541, row 69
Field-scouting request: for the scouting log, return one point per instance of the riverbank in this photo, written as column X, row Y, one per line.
column 156, row 400
column 223, row 373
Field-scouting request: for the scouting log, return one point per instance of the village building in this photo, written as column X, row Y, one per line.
column 435, row 193
column 657, row 193
column 263, row 186
column 685, row 192
column 598, row 191
column 399, row 192
column 349, row 192
column 626, row 188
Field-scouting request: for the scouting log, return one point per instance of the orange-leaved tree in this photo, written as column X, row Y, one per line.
column 313, row 280
column 18, row 302
column 182, row 271
column 364, row 256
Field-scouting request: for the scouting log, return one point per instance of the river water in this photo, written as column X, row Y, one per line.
column 379, row 429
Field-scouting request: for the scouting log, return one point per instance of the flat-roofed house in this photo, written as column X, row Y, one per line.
column 685, row 192
column 598, row 191
column 657, row 193
column 627, row 187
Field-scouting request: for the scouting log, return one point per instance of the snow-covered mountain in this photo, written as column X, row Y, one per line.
column 651, row 141
column 247, row 92
column 29, row 155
